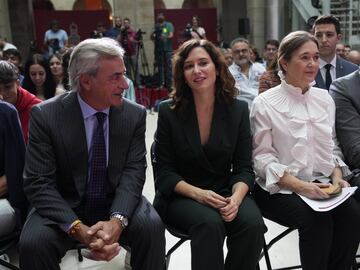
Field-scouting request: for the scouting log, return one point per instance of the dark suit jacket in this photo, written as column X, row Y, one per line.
column 346, row 94
column 343, row 68
column 56, row 166
column 223, row 161
column 12, row 153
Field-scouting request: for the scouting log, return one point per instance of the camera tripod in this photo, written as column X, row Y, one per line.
column 141, row 63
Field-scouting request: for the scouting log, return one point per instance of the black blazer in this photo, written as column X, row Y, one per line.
column 12, row 153
column 56, row 166
column 222, row 162
column 343, row 68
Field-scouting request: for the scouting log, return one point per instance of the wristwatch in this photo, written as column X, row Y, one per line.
column 123, row 220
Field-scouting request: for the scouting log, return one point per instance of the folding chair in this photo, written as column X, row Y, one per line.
column 6, row 243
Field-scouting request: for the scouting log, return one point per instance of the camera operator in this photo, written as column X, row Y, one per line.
column 55, row 38
column 128, row 40
column 162, row 36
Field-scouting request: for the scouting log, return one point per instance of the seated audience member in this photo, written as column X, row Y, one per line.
column 345, row 92
column 57, row 71
column 294, row 145
column 354, row 57
column 245, row 72
column 38, row 79
column 347, row 49
column 65, row 66
column 227, row 55
column 13, row 56
column 254, row 55
column 55, row 38
column 100, row 30
column 12, row 151
column 89, row 189
column 270, row 77
column 340, row 50
column 270, row 52
column 12, row 92
column 203, row 162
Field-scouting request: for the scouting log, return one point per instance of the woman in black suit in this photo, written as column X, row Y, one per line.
column 203, row 162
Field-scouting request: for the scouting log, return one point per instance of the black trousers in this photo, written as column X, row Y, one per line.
column 355, row 182
column 207, row 231
column 327, row 240
column 43, row 244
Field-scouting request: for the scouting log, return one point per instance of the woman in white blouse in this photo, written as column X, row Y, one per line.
column 294, row 145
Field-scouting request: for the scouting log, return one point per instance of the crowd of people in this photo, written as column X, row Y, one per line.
column 239, row 139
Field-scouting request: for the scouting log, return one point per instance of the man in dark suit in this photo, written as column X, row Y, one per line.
column 85, row 169
column 345, row 92
column 12, row 152
column 327, row 33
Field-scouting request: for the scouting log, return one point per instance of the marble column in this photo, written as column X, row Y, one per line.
column 256, row 13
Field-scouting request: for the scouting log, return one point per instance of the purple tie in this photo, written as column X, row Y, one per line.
column 95, row 205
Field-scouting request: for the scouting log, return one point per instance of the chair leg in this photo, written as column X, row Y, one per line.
column 267, row 258
column 8, row 265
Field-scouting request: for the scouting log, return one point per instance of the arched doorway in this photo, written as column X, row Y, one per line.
column 92, row 5
column 198, row 4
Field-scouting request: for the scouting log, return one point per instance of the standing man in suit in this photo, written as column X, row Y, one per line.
column 327, row 33
column 345, row 92
column 85, row 169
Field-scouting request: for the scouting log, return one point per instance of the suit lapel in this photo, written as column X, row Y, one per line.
column 319, row 80
column 72, row 129
column 340, row 72
column 190, row 126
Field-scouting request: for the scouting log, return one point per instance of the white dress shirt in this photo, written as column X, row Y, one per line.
column 294, row 132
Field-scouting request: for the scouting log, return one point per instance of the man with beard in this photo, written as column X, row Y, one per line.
column 245, row 73
column 114, row 32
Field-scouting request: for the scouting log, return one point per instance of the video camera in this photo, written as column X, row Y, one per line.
column 139, row 35
column 157, row 32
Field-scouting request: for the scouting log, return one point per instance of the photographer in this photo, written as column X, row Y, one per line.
column 129, row 41
column 55, row 39
column 162, row 36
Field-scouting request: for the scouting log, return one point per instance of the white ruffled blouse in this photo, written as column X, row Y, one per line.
column 294, row 132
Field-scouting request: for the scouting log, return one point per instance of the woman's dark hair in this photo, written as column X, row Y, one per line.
column 65, row 65
column 291, row 43
column 49, row 84
column 224, row 84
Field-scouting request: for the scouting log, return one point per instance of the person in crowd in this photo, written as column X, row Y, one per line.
column 162, row 37
column 14, row 56
column 227, row 55
column 55, row 38
column 130, row 44
column 340, row 50
column 327, row 33
column 270, row 77
column 65, row 66
column 115, row 31
column 13, row 204
column 345, row 92
column 296, row 153
column 100, row 30
column 245, row 73
column 89, row 190
column 270, row 52
column 254, row 55
column 13, row 93
column 354, row 57
column 203, row 171
column 4, row 45
column 38, row 78
column 197, row 31
column 57, row 71
column 347, row 49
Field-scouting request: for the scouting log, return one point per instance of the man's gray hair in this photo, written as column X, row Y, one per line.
column 86, row 56
column 8, row 72
column 239, row 39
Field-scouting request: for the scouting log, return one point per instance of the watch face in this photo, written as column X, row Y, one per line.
column 125, row 221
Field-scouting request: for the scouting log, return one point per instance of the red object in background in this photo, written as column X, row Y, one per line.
column 147, row 96
column 85, row 20
column 93, row 4
column 180, row 17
